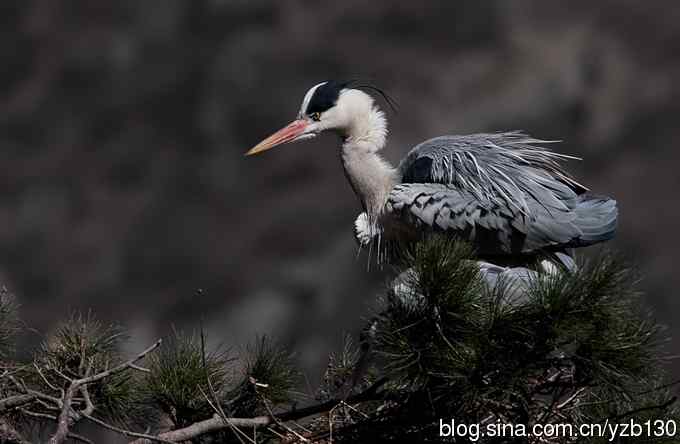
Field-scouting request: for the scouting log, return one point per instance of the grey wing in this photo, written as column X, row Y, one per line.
column 500, row 189
column 495, row 227
column 510, row 166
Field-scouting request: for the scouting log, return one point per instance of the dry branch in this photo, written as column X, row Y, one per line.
column 16, row 401
column 65, row 419
column 217, row 423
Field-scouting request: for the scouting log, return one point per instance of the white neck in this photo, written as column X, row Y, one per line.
column 371, row 177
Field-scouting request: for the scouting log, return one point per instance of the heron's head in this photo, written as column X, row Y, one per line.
column 329, row 106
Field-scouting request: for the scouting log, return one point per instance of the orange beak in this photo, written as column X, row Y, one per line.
column 286, row 134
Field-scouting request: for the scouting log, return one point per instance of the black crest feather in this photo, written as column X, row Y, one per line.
column 326, row 95
column 371, row 87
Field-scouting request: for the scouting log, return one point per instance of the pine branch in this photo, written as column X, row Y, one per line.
column 124, row 432
column 65, row 420
column 15, row 401
column 217, row 423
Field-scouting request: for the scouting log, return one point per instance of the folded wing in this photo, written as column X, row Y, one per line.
column 500, row 191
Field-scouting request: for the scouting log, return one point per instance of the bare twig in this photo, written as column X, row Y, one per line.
column 124, row 432
column 62, row 374
column 47, row 405
column 38, row 415
column 271, row 413
column 47, row 382
column 39, row 395
column 217, row 423
column 119, row 367
column 89, row 406
column 80, row 438
column 215, row 404
column 571, row 398
column 141, row 369
column 15, row 401
column 65, row 419
column 208, row 425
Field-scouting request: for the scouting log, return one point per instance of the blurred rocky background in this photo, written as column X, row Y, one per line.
column 124, row 190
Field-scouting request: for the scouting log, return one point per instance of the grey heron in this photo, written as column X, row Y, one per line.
column 505, row 192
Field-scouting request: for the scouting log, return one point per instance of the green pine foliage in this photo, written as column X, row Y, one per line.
column 340, row 370
column 571, row 347
column 177, row 382
column 453, row 348
column 245, row 386
column 80, row 347
column 267, row 379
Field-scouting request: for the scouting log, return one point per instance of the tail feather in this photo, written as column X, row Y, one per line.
column 597, row 217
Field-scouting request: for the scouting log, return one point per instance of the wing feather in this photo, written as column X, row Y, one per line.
column 504, row 192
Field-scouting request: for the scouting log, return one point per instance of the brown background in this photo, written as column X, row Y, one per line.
column 123, row 186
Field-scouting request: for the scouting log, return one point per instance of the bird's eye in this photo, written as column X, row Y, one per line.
column 315, row 116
